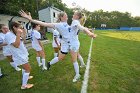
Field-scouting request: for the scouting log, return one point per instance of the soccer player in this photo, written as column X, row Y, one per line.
column 6, row 52
column 37, row 45
column 66, row 41
column 56, row 42
column 75, row 44
column 19, row 51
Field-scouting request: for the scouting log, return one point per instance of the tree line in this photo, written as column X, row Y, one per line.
column 113, row 19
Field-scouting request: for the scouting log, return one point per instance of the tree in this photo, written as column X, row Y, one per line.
column 11, row 7
column 113, row 19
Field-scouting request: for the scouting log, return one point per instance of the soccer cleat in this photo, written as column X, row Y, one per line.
column 76, row 77
column 30, row 77
column 17, row 69
column 44, row 68
column 82, row 66
column 27, row 86
column 48, row 65
column 3, row 75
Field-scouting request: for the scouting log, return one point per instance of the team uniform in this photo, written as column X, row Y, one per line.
column 75, row 29
column 64, row 29
column 19, row 55
column 69, row 42
column 35, row 36
column 6, row 51
column 69, row 35
column 75, row 44
column 57, row 36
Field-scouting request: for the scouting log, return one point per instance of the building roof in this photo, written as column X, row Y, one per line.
column 52, row 8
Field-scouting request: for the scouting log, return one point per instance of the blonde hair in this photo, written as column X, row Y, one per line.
column 83, row 20
column 82, row 17
column 61, row 14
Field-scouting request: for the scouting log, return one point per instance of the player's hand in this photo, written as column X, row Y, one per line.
column 25, row 15
column 19, row 32
column 59, row 47
column 90, row 29
column 93, row 35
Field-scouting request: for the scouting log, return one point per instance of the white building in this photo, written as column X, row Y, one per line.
column 49, row 15
column 5, row 19
column 103, row 26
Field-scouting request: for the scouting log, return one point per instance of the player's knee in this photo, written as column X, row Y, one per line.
column 60, row 58
column 27, row 67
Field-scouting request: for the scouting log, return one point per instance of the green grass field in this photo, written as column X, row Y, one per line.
column 115, row 67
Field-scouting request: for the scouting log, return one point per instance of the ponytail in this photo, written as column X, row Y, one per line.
column 83, row 19
column 61, row 14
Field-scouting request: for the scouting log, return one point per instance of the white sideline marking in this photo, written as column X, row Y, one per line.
column 86, row 75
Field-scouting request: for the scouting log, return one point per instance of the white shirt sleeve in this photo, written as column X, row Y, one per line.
column 77, row 24
column 9, row 38
column 37, row 35
column 1, row 38
column 55, row 33
column 57, row 26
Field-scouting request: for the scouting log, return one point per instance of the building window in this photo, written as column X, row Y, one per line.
column 54, row 14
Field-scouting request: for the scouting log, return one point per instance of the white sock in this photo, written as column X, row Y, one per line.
column 76, row 67
column 38, row 59
column 13, row 64
column 81, row 60
column 23, row 71
column 25, row 78
column 55, row 54
column 43, row 62
column 54, row 60
column 0, row 72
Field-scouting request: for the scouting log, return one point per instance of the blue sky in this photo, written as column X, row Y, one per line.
column 131, row 6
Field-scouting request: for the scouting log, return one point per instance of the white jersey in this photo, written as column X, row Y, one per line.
column 57, row 36
column 20, row 54
column 74, row 32
column 35, row 36
column 5, row 49
column 2, row 38
column 69, row 35
column 64, row 29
